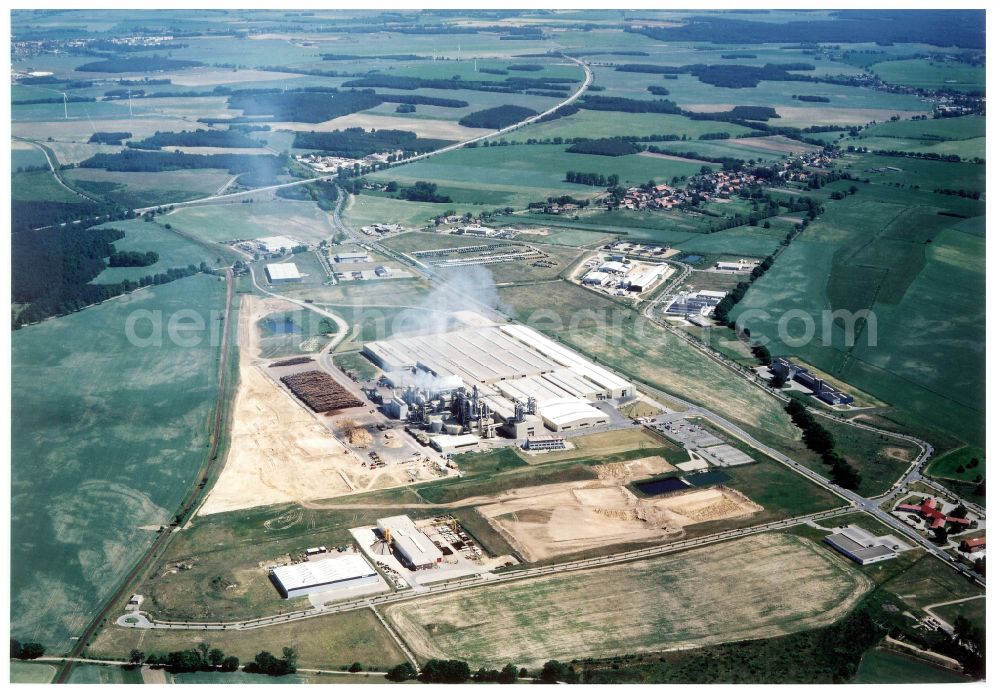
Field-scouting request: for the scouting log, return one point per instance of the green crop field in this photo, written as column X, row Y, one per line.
column 880, row 666
column 932, row 74
column 872, row 252
column 40, row 185
column 660, row 603
column 296, row 219
column 596, row 124
column 107, row 436
column 925, row 174
column 174, row 250
column 31, row 672
column 935, row 129
column 516, row 175
column 965, row 464
column 101, row 674
column 147, row 188
column 375, row 209
column 24, row 155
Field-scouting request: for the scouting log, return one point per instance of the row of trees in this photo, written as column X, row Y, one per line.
column 595, row 179
column 819, row 440
column 356, row 143
column 133, row 258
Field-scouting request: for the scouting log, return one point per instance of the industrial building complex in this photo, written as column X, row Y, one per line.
column 505, row 379
column 863, row 547
column 790, row 371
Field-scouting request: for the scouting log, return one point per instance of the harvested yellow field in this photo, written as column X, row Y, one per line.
column 758, row 587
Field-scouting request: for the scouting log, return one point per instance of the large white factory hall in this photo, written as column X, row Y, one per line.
column 506, row 377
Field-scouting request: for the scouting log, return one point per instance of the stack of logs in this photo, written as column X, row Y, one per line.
column 319, row 391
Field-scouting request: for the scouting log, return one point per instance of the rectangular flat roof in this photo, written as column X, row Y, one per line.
column 284, row 270
column 323, row 572
column 842, row 541
column 409, row 540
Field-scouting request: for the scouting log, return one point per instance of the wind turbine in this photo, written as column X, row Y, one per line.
column 130, row 102
column 65, row 107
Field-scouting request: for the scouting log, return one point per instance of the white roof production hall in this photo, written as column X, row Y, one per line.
column 283, row 272
column 300, row 579
column 570, row 414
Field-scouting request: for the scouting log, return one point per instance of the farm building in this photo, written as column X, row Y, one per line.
column 936, row 518
column 283, row 273
column 413, row 547
column 863, row 547
column 352, row 257
column 302, row 579
column 973, row 545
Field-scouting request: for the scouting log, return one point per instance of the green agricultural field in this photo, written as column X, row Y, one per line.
column 925, row 174
column 932, row 74
column 596, row 124
column 354, row 362
column 928, row 581
column 661, row 603
column 40, row 185
column 24, row 155
column 872, row 252
column 174, row 249
column 328, row 642
column 516, row 175
column 234, row 677
column 965, row 464
column 375, row 209
column 107, row 437
column 101, row 674
column 31, row 672
column 299, row 220
column 933, row 129
column 143, row 189
column 881, row 666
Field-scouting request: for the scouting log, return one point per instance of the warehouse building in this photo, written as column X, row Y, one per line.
column 416, row 551
column 283, row 273
column 352, row 257
column 446, row 444
column 311, row 577
column 863, row 547
column 571, row 414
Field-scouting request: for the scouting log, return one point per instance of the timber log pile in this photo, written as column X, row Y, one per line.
column 319, row 391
